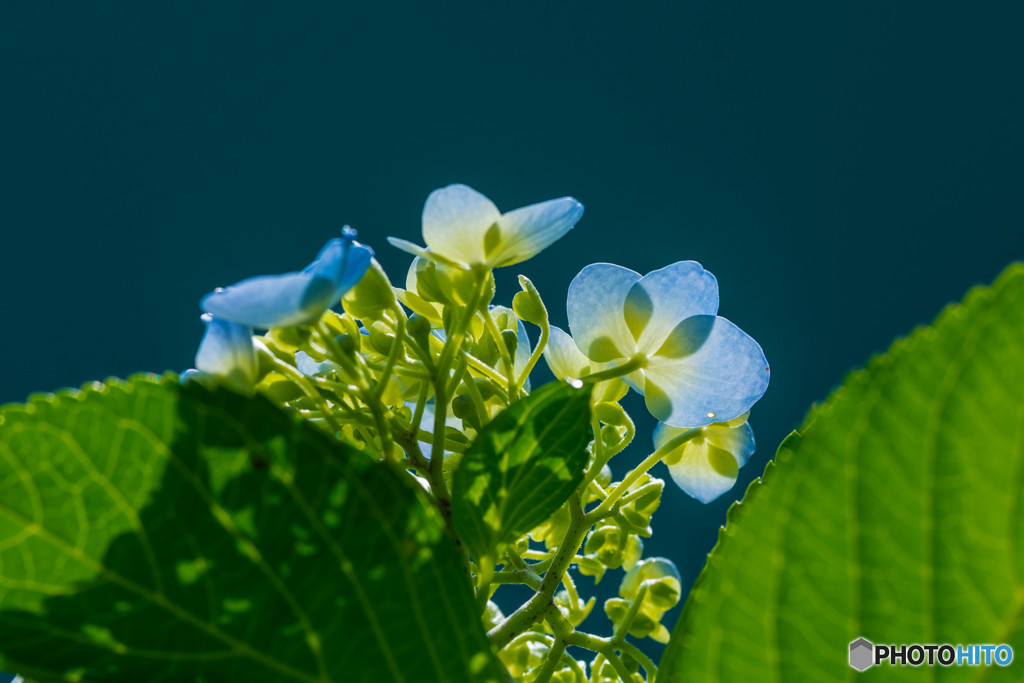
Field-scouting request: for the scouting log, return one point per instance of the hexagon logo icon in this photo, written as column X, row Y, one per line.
column 862, row 654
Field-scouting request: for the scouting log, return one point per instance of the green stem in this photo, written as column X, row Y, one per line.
column 605, row 648
column 526, row 577
column 551, row 662
column 304, row 383
column 452, row 344
column 533, row 609
column 633, row 495
column 484, row 369
column 478, row 400
column 623, row 628
column 636, row 653
column 506, row 357
column 484, row 577
column 639, row 471
column 634, row 363
column 396, row 349
column 545, row 334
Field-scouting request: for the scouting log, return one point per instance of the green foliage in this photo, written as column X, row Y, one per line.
column 155, row 532
column 522, row 467
column 895, row 515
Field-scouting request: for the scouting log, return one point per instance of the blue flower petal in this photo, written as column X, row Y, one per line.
column 290, row 299
column 665, row 297
column 342, row 260
column 707, row 371
column 595, row 309
column 227, row 351
column 268, row 301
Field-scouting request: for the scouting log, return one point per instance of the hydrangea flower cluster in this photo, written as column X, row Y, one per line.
column 414, row 373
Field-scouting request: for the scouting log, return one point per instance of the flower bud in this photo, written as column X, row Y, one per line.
column 381, row 338
column 464, row 408
column 638, row 512
column 527, row 304
column 371, row 296
column 511, row 341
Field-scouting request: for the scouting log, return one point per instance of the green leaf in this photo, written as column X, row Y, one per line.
column 155, row 532
column 521, row 467
column 895, row 515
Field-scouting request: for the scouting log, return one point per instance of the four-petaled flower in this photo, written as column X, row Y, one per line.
column 290, row 299
column 464, row 227
column 692, row 366
column 706, row 465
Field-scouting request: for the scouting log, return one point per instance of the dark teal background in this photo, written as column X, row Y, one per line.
column 845, row 169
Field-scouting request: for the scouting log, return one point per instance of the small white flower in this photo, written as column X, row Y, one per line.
column 466, row 228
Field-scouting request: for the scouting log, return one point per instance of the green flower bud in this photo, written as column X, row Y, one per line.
column 278, row 388
column 520, row 657
column 419, row 328
column 589, row 566
column 639, row 512
column 381, row 338
column 604, row 672
column 613, row 547
column 663, row 589
column 288, row 339
column 371, row 296
column 423, row 280
column 511, row 340
column 465, row 409
column 612, row 436
column 528, row 305
column 611, row 414
column 348, row 343
column 575, row 613
column 339, row 324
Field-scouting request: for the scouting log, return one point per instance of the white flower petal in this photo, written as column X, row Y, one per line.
column 707, row 371
column 704, row 471
column 456, row 221
column 737, row 440
column 563, row 357
column 665, row 297
column 226, row 351
column 595, row 308
column 525, row 232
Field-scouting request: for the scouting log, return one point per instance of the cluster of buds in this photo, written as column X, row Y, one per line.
column 412, row 374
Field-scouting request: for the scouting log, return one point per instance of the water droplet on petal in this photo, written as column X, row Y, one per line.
column 575, row 383
column 711, row 414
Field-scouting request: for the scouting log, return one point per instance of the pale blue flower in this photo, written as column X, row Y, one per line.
column 466, row 228
column 227, row 353
column 693, row 367
column 290, row 299
column 706, row 466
